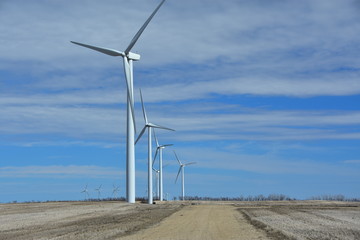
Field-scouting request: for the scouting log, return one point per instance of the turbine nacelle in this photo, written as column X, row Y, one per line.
column 133, row 56
column 181, row 165
column 147, row 123
column 165, row 145
column 110, row 52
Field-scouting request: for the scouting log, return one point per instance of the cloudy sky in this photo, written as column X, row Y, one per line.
column 264, row 95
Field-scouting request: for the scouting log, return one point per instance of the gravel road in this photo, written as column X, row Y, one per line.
column 198, row 222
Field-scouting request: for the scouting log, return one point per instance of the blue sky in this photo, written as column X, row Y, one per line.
column 264, row 96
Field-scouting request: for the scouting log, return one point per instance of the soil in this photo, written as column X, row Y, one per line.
column 78, row 220
column 306, row 220
column 181, row 220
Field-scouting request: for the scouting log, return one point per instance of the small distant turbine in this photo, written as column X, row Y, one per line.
column 115, row 191
column 159, row 149
column 157, row 182
column 181, row 169
column 128, row 58
column 157, row 173
column 149, row 126
column 99, row 191
column 85, row 191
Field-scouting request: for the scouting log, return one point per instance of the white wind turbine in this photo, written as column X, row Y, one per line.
column 181, row 169
column 159, row 149
column 149, row 126
column 85, row 191
column 99, row 191
column 128, row 58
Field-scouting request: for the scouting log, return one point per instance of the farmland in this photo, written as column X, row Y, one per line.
column 181, row 220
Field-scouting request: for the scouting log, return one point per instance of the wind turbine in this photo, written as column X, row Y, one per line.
column 99, row 191
column 115, row 191
column 128, row 58
column 181, row 168
column 159, row 149
column 157, row 172
column 149, row 126
column 85, row 191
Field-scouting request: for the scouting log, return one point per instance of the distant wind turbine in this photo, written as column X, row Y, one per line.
column 149, row 126
column 157, row 182
column 85, row 191
column 128, row 58
column 115, row 191
column 159, row 149
column 99, row 191
column 181, row 169
column 157, row 173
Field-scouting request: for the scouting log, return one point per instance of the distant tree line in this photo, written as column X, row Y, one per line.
column 260, row 197
column 337, row 197
column 270, row 197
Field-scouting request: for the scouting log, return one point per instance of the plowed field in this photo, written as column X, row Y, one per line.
column 181, row 220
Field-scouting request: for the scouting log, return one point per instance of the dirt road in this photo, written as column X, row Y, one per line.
column 202, row 222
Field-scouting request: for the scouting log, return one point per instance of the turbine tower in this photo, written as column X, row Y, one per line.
column 159, row 149
column 128, row 58
column 181, row 169
column 149, row 126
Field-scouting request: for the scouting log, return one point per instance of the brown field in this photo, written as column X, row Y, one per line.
column 177, row 220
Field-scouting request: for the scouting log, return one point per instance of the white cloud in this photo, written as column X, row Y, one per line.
column 183, row 31
column 254, row 86
column 59, row 171
column 73, row 117
column 198, row 51
column 264, row 163
column 352, row 161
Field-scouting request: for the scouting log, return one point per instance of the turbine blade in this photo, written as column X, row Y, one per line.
column 178, row 174
column 156, row 140
column 167, row 145
column 156, row 152
column 107, row 51
column 130, row 97
column 138, row 34
column 141, row 133
column 177, row 158
column 143, row 108
column 158, row 126
column 191, row 163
